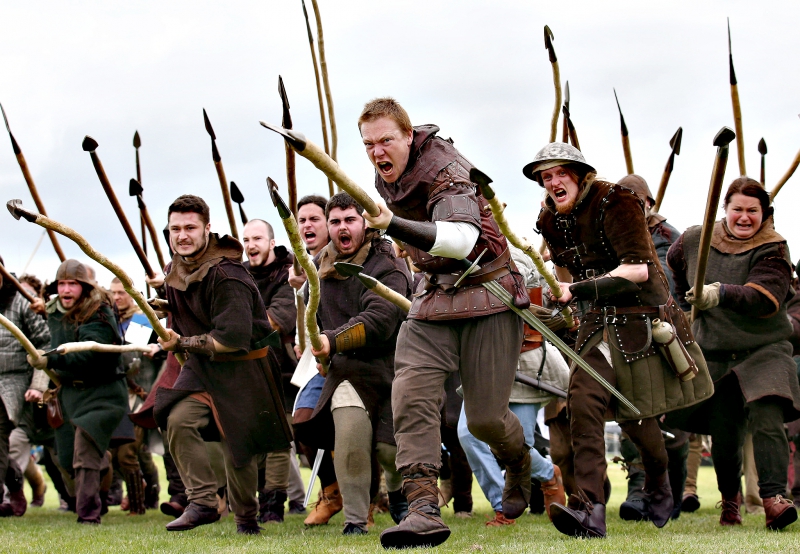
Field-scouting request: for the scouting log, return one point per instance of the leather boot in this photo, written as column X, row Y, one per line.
column 36, row 481
column 780, row 512
column 517, row 492
column 151, row 493
column 423, row 525
column 553, row 491
column 581, row 519
column 193, row 516
column 659, row 499
column 271, row 506
column 135, row 484
column 87, row 495
column 14, row 482
column 635, row 506
column 499, row 520
column 248, row 527
column 172, row 508
column 690, row 503
column 329, row 504
column 398, row 505
column 730, row 510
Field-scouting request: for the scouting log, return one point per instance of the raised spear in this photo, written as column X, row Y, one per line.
column 737, row 108
column 17, row 211
column 238, row 197
column 223, row 183
column 322, row 117
column 786, row 176
column 721, row 141
column 137, row 142
column 23, row 165
column 27, row 345
column 548, row 44
column 565, row 110
column 762, row 149
column 6, row 275
column 323, row 64
column 675, row 145
column 135, row 189
column 626, row 143
column 90, row 145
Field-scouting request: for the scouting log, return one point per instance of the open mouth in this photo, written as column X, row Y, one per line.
column 309, row 236
column 560, row 194
column 385, row 167
column 345, row 241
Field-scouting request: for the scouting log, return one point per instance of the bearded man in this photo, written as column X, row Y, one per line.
column 226, row 390
column 435, row 211
column 598, row 238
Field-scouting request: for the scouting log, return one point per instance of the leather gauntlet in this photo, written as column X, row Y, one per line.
column 419, row 234
column 603, row 286
column 198, row 344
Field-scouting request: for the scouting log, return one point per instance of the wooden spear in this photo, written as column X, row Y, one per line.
column 90, row 145
column 223, row 182
column 238, row 197
column 786, row 176
column 721, row 141
column 737, row 108
column 548, row 44
column 135, row 189
column 23, row 165
column 762, row 149
column 17, row 285
column 27, row 345
column 324, row 67
column 675, row 145
column 322, row 117
column 565, row 110
column 17, row 211
column 626, row 143
column 137, row 142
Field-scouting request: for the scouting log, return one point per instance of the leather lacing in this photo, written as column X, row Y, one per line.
column 419, row 491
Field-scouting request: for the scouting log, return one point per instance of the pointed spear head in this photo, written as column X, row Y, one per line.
column 14, row 145
column 623, row 127
column 286, row 120
column 308, row 25
column 295, row 138
column 347, row 270
column 483, row 181
column 89, row 144
column 277, row 201
column 137, row 142
column 566, row 95
column 16, row 210
column 548, row 44
column 236, row 194
column 675, row 141
column 762, row 147
column 730, row 55
column 135, row 188
column 209, row 128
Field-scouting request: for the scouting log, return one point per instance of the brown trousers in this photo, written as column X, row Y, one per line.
column 484, row 351
column 588, row 405
column 88, row 463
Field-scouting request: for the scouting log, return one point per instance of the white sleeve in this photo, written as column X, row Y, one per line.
column 454, row 239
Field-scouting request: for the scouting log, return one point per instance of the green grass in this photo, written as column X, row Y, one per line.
column 47, row 530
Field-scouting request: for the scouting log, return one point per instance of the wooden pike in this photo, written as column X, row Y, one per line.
column 762, row 149
column 6, row 275
column 737, row 108
column 322, row 117
column 675, row 145
column 135, row 189
column 90, row 145
column 786, row 176
column 721, row 141
column 570, row 133
column 548, row 44
column 565, row 111
column 323, row 64
column 17, row 211
column 27, row 345
column 223, row 182
column 626, row 143
column 23, row 165
column 238, row 197
column 355, row 270
column 92, row 346
column 137, row 142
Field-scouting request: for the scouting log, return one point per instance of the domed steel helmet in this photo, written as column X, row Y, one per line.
column 638, row 185
column 555, row 153
column 71, row 270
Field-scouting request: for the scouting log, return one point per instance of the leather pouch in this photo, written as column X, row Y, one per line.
column 55, row 416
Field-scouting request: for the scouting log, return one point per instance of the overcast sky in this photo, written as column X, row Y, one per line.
column 479, row 70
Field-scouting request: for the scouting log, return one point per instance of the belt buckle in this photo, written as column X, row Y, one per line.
column 79, row 385
column 610, row 315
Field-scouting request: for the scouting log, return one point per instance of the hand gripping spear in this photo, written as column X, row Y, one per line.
column 737, row 108
column 135, row 189
column 762, row 149
column 223, row 183
column 626, row 142
column 315, row 155
column 238, row 197
column 17, row 211
column 675, row 144
column 548, row 44
column 721, row 141
column 23, row 165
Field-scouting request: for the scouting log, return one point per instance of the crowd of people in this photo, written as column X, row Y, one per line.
column 407, row 405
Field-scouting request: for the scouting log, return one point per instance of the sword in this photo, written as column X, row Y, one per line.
column 314, row 472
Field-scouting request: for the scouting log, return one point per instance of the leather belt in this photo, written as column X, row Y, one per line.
column 489, row 272
column 252, row 355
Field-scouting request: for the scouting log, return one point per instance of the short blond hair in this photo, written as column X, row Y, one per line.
column 385, row 107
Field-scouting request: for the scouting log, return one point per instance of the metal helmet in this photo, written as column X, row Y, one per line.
column 71, row 270
column 638, row 185
column 555, row 153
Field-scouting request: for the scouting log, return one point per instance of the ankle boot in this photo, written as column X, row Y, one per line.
column 553, row 491
column 660, row 502
column 780, row 512
column 328, row 505
column 423, row 525
column 135, row 484
column 582, row 518
column 635, row 506
column 730, row 510
column 517, row 491
column 36, row 481
column 193, row 516
column 398, row 505
column 14, row 482
column 271, row 506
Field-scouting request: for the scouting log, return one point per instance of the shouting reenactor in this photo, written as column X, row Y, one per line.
column 227, row 390
column 434, row 209
column 743, row 328
column 598, row 238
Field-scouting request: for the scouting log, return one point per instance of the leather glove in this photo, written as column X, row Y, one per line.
column 198, row 344
column 708, row 299
column 554, row 320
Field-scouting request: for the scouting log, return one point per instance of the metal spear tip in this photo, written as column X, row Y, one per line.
column 724, row 137
column 16, row 210
column 347, row 270
column 296, row 139
column 214, row 152
column 483, row 181
column 89, row 144
column 762, row 147
column 308, row 25
column 286, row 120
column 14, row 145
column 675, row 141
column 623, row 127
column 209, row 128
column 236, row 194
column 137, row 142
column 134, row 188
column 566, row 94
column 548, row 44
column 283, row 210
column 367, row 280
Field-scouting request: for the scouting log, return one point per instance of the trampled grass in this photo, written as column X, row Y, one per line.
column 47, row 530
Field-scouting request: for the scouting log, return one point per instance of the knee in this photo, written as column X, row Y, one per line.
column 483, row 429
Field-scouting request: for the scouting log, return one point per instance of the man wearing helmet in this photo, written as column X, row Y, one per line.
column 599, row 242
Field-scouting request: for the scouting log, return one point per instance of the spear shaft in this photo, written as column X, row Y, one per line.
column 675, row 144
column 27, row 345
column 223, row 182
column 737, row 108
column 786, row 177
column 324, row 67
column 626, row 143
column 548, row 44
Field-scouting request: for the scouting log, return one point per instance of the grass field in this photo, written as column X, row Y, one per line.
column 48, row 530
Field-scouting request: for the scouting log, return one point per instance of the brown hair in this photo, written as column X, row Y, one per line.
column 342, row 201
column 315, row 199
column 90, row 301
column 749, row 187
column 188, row 203
column 579, row 173
column 385, row 107
column 34, row 282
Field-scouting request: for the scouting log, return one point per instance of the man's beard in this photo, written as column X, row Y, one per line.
column 200, row 249
column 566, row 208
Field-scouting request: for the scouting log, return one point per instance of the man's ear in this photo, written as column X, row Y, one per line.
column 410, row 137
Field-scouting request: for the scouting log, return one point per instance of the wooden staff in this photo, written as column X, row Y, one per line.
column 135, row 189
column 23, row 165
column 92, row 346
column 28, row 346
column 762, row 149
column 737, row 108
column 675, row 145
column 300, row 254
column 16, row 210
column 322, row 117
column 721, row 141
column 223, row 182
column 90, row 145
column 548, row 44
column 238, row 197
column 626, row 143
column 571, row 132
column 324, row 67
column 786, row 176
column 565, row 110
column 355, row 270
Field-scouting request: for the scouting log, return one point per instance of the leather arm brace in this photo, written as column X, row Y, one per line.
column 603, row 286
column 419, row 234
column 352, row 338
column 198, row 344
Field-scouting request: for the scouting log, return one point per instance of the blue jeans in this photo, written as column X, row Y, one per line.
column 483, row 463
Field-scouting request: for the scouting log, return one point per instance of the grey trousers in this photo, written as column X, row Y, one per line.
column 484, row 351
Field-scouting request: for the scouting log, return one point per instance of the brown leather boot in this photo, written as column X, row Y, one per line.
column 730, row 511
column 36, row 481
column 517, row 492
column 423, row 525
column 499, row 520
column 135, row 484
column 553, row 491
column 328, row 505
column 780, row 512
column 581, row 519
column 660, row 502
